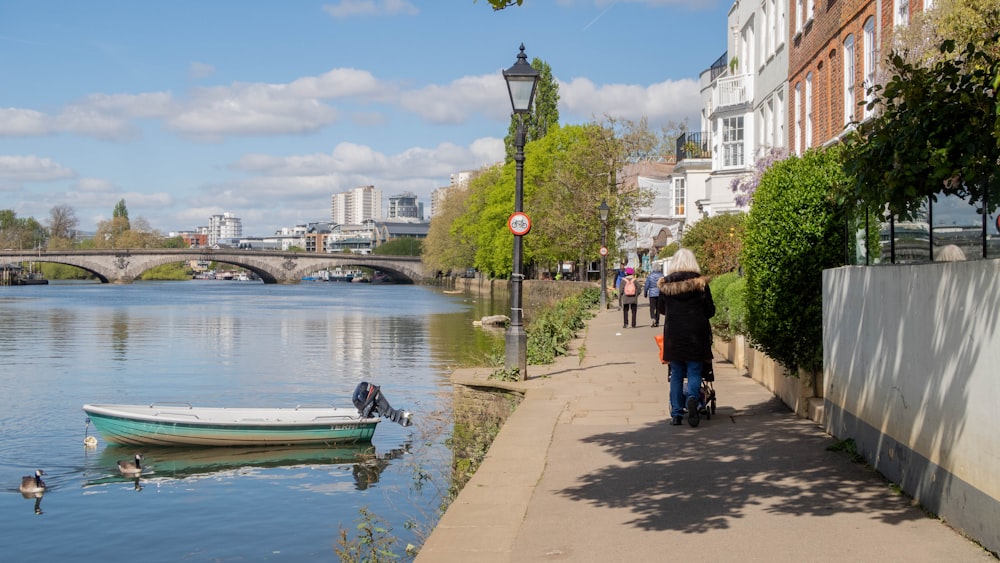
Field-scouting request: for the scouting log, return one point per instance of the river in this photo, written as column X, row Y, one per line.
column 223, row 343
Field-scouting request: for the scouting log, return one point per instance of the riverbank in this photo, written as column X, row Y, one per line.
column 587, row 469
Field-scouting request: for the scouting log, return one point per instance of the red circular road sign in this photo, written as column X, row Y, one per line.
column 518, row 223
column 604, row 251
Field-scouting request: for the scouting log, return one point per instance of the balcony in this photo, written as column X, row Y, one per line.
column 732, row 91
column 694, row 144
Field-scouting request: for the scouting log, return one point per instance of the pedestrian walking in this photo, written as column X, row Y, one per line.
column 628, row 288
column 650, row 291
column 686, row 300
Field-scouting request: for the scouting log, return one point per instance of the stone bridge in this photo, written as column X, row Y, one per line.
column 125, row 265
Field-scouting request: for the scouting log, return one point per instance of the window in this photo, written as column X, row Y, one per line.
column 869, row 62
column 679, row 188
column 928, row 4
column 732, row 141
column 769, row 123
column 765, row 33
column 901, row 16
column 772, row 31
column 780, row 119
column 849, row 100
column 809, row 110
column 800, row 11
column 798, row 118
column 810, row 9
column 782, row 30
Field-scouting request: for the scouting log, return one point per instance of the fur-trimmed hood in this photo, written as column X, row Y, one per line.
column 670, row 285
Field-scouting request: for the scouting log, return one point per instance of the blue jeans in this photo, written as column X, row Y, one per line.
column 678, row 395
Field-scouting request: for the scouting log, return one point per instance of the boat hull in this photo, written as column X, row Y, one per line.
column 159, row 425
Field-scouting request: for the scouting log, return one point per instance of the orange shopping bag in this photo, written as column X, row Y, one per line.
column 659, row 344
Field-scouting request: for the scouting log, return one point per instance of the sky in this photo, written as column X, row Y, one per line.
column 265, row 109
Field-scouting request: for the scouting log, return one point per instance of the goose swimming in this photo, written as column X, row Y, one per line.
column 131, row 467
column 33, row 483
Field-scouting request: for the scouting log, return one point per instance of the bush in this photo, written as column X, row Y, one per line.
column 550, row 332
column 736, row 294
column 716, row 242
column 793, row 232
column 720, row 322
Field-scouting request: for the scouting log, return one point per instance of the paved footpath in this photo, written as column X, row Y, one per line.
column 588, row 469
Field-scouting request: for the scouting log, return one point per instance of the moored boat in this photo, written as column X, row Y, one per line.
column 174, row 424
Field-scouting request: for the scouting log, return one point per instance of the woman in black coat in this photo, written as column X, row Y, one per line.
column 686, row 300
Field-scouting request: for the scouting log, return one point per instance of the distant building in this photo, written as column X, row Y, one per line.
column 459, row 181
column 404, row 206
column 356, row 206
column 224, row 227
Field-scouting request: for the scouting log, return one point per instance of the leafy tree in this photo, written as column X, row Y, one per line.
column 448, row 245
column 544, row 113
column 716, row 242
column 400, row 247
column 937, row 134
column 20, row 233
column 120, row 210
column 964, row 21
column 794, row 231
column 501, row 4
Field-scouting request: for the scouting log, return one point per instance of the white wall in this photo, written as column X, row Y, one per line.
column 911, row 359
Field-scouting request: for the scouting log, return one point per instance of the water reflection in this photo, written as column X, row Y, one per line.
column 186, row 463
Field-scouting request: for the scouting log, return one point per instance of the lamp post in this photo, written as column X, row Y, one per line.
column 521, row 82
column 603, row 210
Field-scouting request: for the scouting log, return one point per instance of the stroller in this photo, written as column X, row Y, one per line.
column 708, row 397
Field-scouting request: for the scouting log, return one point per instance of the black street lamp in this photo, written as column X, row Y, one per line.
column 603, row 210
column 521, row 82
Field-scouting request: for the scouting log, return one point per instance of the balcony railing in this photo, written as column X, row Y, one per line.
column 731, row 91
column 718, row 67
column 694, row 144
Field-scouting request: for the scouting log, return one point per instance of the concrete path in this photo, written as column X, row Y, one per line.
column 588, row 469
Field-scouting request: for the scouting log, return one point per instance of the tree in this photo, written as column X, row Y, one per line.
column 794, row 231
column 448, row 246
column 938, row 134
column 63, row 222
column 544, row 113
column 400, row 247
column 20, row 233
column 716, row 242
column 501, row 4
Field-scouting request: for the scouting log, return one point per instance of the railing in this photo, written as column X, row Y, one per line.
column 731, row 91
column 718, row 67
column 694, row 144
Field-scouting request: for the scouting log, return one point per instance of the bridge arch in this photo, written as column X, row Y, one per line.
column 126, row 265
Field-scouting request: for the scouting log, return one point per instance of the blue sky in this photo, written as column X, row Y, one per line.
column 265, row 109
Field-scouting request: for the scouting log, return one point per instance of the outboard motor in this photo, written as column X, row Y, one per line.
column 369, row 401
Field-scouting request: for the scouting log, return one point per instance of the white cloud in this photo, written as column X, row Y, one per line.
column 254, row 109
column 660, row 103
column 200, row 70
column 32, row 169
column 16, row 122
column 455, row 102
column 350, row 8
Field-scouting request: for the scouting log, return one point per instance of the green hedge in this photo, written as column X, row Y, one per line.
column 794, row 231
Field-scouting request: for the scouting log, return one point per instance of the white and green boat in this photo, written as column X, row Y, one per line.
column 180, row 424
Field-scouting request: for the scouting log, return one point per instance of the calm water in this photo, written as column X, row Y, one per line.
column 231, row 344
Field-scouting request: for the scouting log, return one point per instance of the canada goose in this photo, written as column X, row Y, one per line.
column 33, row 484
column 131, row 467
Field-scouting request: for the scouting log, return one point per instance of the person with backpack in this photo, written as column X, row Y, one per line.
column 650, row 290
column 628, row 288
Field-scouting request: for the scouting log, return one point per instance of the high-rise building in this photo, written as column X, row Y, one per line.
column 222, row 227
column 404, row 206
column 356, row 206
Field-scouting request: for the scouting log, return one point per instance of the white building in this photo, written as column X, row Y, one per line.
column 356, row 206
column 224, row 227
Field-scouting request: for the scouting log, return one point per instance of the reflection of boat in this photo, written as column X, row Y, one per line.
column 165, row 424
column 174, row 424
column 179, row 463
column 183, row 463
